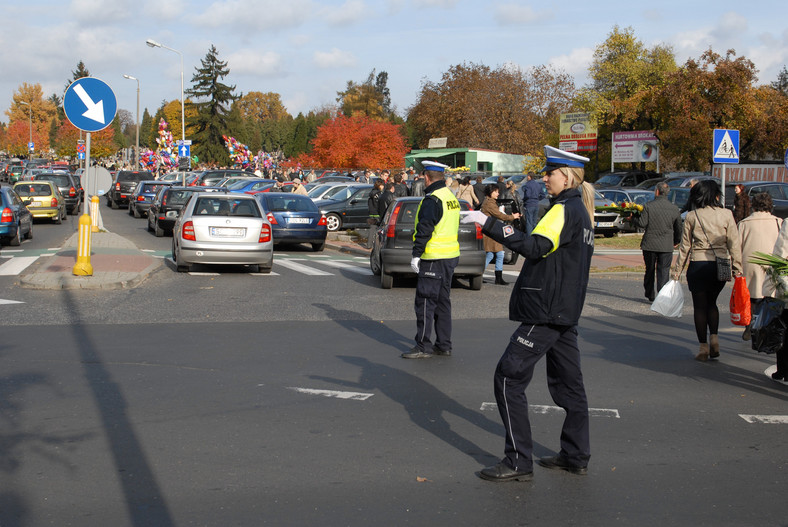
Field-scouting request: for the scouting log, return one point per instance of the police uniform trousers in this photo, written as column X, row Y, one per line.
column 558, row 344
column 433, row 305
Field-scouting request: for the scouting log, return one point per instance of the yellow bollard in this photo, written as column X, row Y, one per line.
column 83, row 267
column 94, row 208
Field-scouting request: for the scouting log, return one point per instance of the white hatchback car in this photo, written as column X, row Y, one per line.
column 221, row 228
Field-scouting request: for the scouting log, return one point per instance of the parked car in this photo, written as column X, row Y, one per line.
column 68, row 186
column 679, row 196
column 30, row 172
column 123, row 184
column 650, row 184
column 209, row 178
column 46, row 201
column 346, row 209
column 624, row 179
column 177, row 178
column 14, row 173
column 327, row 191
column 16, row 221
column 294, row 219
column 217, row 228
column 251, row 185
column 392, row 244
column 778, row 191
column 167, row 204
column 143, row 195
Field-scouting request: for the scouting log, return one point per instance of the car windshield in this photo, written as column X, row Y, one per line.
column 238, row 185
column 609, row 180
column 32, row 189
column 224, row 206
column 317, row 191
column 288, row 203
column 341, row 195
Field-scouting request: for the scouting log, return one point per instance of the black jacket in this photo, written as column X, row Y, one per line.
column 384, row 201
column 400, row 190
column 662, row 223
column 551, row 288
column 373, row 204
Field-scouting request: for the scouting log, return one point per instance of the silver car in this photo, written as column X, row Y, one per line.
column 220, row 228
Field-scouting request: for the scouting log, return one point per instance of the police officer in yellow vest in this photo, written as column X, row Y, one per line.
column 436, row 252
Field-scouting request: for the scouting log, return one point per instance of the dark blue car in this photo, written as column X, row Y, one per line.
column 15, row 220
column 294, row 219
column 143, row 195
column 251, row 185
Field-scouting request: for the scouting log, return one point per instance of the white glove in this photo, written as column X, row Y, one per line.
column 473, row 216
column 414, row 264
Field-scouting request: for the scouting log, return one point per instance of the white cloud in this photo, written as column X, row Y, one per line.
column 249, row 62
column 335, row 58
column 348, row 13
column 576, row 63
column 445, row 4
column 169, row 10
column 254, row 15
column 100, row 11
column 513, row 14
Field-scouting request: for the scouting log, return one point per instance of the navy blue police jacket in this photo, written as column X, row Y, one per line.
column 551, row 287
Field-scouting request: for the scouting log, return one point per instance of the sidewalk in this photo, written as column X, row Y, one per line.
column 117, row 264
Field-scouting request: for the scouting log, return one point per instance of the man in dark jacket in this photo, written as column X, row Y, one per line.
column 533, row 193
column 385, row 199
column 400, row 188
column 478, row 189
column 661, row 220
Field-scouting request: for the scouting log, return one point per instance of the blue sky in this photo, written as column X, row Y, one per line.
column 307, row 50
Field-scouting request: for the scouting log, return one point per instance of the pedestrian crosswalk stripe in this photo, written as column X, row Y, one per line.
column 16, row 265
column 765, row 419
column 544, row 409
column 356, row 396
column 295, row 266
column 348, row 266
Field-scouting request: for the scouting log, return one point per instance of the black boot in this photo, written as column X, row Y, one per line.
column 499, row 278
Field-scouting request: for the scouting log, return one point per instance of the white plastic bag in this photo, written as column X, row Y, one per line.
column 670, row 300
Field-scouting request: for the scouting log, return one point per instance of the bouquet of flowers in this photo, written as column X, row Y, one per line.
column 776, row 270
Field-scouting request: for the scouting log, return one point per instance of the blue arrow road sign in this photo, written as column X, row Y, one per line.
column 31, row 146
column 90, row 104
column 726, row 146
column 184, row 150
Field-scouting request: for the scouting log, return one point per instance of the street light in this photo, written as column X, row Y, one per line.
column 30, row 124
column 137, row 147
column 154, row 44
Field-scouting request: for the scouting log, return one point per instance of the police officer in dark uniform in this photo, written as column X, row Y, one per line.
column 547, row 300
column 436, row 252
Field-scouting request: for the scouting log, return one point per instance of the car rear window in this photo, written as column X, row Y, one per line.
column 176, row 197
column 134, row 176
column 293, row 203
column 60, row 181
column 149, row 188
column 224, row 206
column 32, row 189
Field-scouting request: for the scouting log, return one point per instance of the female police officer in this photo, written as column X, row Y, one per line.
column 547, row 300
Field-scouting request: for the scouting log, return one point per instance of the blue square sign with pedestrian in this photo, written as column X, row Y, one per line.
column 726, row 146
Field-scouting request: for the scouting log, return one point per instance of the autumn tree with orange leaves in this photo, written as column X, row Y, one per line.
column 356, row 142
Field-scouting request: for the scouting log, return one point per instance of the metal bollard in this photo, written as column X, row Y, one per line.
column 83, row 267
column 94, row 213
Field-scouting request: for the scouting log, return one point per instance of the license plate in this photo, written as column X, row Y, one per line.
column 605, row 224
column 298, row 220
column 228, row 232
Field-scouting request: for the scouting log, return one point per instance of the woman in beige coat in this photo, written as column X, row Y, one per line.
column 465, row 191
column 709, row 232
column 758, row 233
column 493, row 248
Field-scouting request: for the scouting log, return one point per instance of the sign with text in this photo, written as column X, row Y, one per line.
column 437, row 142
column 578, row 132
column 635, row 147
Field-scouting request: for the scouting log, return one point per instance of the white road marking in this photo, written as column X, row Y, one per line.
column 197, row 273
column 302, row 268
column 13, row 250
column 265, row 274
column 544, row 409
column 350, row 267
column 765, row 419
column 16, row 265
column 356, row 396
column 4, row 302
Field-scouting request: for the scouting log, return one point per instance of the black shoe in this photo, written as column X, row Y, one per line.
column 559, row 463
column 416, row 353
column 441, row 353
column 499, row 278
column 779, row 377
column 502, row 472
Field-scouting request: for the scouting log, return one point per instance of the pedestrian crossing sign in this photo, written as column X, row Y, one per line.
column 726, row 146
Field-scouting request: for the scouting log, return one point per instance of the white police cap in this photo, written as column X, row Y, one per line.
column 556, row 158
column 434, row 166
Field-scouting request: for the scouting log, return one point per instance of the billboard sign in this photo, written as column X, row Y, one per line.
column 578, row 132
column 635, row 147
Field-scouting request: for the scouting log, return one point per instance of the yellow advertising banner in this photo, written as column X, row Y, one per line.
column 578, row 132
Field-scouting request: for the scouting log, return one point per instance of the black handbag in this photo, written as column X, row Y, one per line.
column 767, row 326
column 724, row 267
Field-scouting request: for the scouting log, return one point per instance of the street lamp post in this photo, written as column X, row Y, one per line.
column 137, row 147
column 30, row 124
column 154, row 44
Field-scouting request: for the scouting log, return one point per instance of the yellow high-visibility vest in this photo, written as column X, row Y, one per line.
column 443, row 244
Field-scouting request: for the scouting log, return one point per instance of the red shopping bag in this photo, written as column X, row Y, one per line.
column 740, row 302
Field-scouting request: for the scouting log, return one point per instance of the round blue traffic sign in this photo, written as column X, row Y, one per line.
column 90, row 104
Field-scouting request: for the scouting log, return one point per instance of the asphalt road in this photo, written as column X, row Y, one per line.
column 238, row 399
